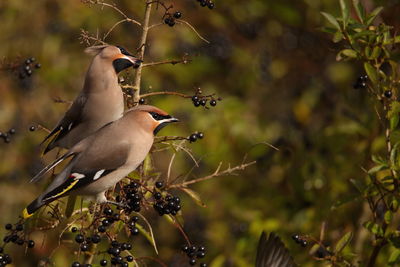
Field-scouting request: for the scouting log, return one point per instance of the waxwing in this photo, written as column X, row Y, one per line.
column 271, row 252
column 101, row 160
column 101, row 101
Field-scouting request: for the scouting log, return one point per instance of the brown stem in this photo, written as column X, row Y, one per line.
column 138, row 74
column 377, row 248
column 165, row 93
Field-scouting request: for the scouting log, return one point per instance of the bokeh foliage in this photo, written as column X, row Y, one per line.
column 280, row 82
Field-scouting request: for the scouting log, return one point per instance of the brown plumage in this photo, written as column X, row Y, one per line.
column 101, row 100
column 105, row 157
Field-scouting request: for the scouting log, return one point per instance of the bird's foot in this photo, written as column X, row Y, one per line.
column 118, row 204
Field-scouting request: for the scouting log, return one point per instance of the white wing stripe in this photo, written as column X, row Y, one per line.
column 77, row 176
column 98, row 174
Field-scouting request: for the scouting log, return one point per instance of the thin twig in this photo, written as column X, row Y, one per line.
column 138, row 74
column 217, row 173
column 165, row 93
column 172, row 62
column 193, row 29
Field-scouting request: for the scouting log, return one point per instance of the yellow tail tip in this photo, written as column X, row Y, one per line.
column 26, row 214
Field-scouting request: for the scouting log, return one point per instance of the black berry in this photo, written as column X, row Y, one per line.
column 31, row 244
column 11, row 131
column 32, row 128
column 141, row 101
column 38, row 66
column 200, row 135
column 388, row 93
column 76, row 264
column 193, row 137
column 213, row 102
column 203, row 102
column 79, row 238
column 177, row 15
column 103, row 262
column 8, row 226
column 19, row 227
column 159, row 184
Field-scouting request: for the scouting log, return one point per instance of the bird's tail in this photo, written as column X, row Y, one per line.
column 31, row 208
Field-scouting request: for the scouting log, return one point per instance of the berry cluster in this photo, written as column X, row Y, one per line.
column 26, row 69
column 7, row 135
column 132, row 197
column 299, row 240
column 16, row 236
column 207, row 3
column 361, row 82
column 194, row 136
column 132, row 225
column 202, row 101
column 195, row 253
column 170, row 19
column 110, row 218
column 115, row 251
column 5, row 259
column 165, row 205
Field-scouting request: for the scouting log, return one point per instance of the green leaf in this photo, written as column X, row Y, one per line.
column 394, row 257
column 194, row 195
column 371, row 72
column 331, row 20
column 374, row 228
column 376, row 52
column 147, row 165
column 372, row 15
column 70, row 206
column 388, row 216
column 345, row 13
column 359, row 10
column 337, row 37
column 377, row 168
column 394, row 121
column 397, row 39
column 313, row 249
column 343, row 242
column 349, row 53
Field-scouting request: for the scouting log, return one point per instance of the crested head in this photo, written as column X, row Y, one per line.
column 118, row 57
column 152, row 118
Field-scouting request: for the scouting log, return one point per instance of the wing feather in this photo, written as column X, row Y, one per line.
column 271, row 252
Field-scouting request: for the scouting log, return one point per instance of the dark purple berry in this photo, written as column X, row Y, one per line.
column 8, row 226
column 142, row 101
column 38, row 66
column 32, row 128
column 196, row 103
column 19, row 227
column 303, row 243
column 388, row 93
column 203, row 102
column 79, row 238
column 195, row 98
column 129, row 258
column 12, row 131
column 193, row 137
column 203, row 264
column 192, row 261
column 96, row 238
column 134, row 231
column 213, row 102
column 159, row 184
column 31, row 244
column 103, row 262
column 20, row 242
column 84, row 247
column 76, row 264
column 210, row 5
column 200, row 135
column 177, row 15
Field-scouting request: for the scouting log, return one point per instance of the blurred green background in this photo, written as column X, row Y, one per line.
column 280, row 84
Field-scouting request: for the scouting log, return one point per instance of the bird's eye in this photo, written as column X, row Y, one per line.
column 123, row 51
column 159, row 117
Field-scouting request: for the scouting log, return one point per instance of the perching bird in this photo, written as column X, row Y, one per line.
column 104, row 158
column 101, row 101
column 271, row 252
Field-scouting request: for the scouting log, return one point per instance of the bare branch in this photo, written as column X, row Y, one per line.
column 164, row 93
column 217, row 173
column 193, row 29
column 113, row 6
column 173, row 62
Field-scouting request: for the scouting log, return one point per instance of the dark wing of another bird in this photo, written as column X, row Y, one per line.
column 70, row 120
column 271, row 252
